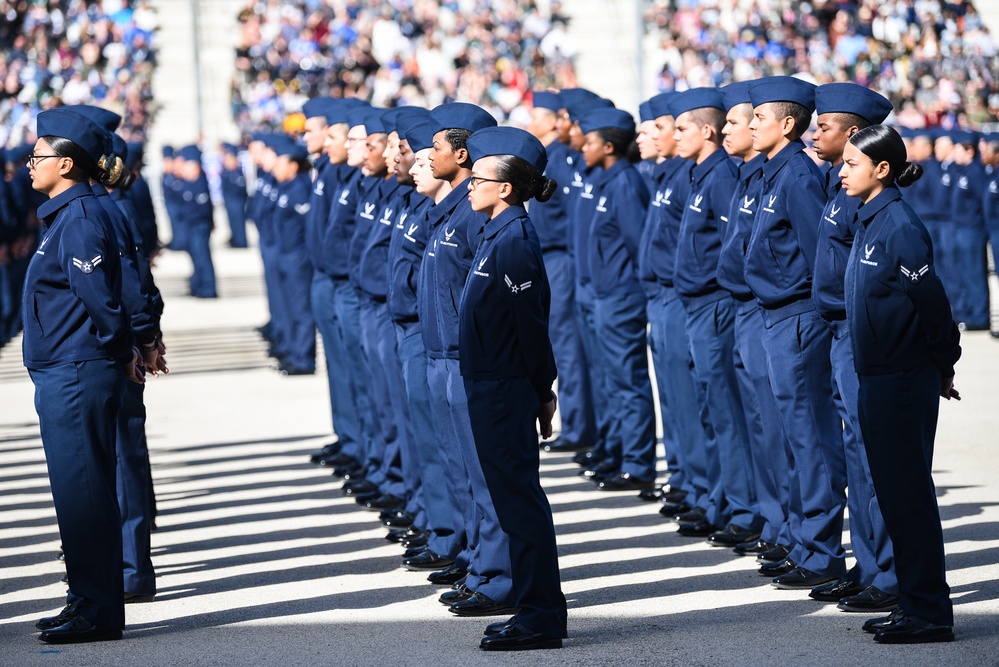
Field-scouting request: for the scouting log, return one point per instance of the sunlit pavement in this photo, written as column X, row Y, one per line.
column 262, row 560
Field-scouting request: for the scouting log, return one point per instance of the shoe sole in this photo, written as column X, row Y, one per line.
column 908, row 639
column 501, row 611
column 796, row 587
column 547, row 644
column 424, row 568
column 85, row 639
column 866, row 610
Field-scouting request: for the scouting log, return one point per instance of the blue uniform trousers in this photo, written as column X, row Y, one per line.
column 711, row 333
column 134, row 493
column 345, row 417
column 503, row 414
column 575, row 395
column 898, row 418
column 442, row 516
column 10, row 304
column 77, row 405
column 768, row 445
column 235, row 210
column 347, row 318
column 686, row 398
column 179, row 230
column 586, row 319
column 655, row 312
column 487, row 556
column 869, row 539
column 387, row 438
column 198, row 247
column 798, row 349
column 969, row 291
column 621, row 327
column 278, row 324
column 295, row 280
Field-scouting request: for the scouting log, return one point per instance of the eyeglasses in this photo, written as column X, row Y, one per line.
column 32, row 159
column 475, row 180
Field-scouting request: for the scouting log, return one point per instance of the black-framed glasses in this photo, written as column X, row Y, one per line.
column 32, row 159
column 475, row 180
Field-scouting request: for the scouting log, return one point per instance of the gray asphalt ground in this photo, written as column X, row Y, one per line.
column 262, row 560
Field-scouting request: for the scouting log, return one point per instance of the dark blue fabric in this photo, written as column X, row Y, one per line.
column 134, row 489
column 738, row 225
column 374, row 261
column 406, row 249
column 235, row 196
column 340, row 226
column 836, row 231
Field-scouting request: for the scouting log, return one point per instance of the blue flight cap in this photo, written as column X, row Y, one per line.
column 782, row 89
column 393, row 116
column 19, row 154
column 190, row 153
column 135, row 152
column 419, row 136
column 598, row 119
column 109, row 120
column 542, row 99
column 735, row 94
column 964, row 137
column 289, row 147
column 407, row 122
column 645, row 112
column 460, row 116
column 168, row 151
column 570, row 96
column 508, row 141
column 80, row 130
column 579, row 109
column 851, row 98
column 696, row 98
column 318, row 107
column 369, row 117
column 260, row 136
column 659, row 104
column 339, row 111
column 232, row 149
column 921, row 132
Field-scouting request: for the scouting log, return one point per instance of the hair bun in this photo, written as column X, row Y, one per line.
column 909, row 174
column 545, row 189
column 110, row 169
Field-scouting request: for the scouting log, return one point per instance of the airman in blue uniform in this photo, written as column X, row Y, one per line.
column 843, row 109
column 197, row 212
column 508, row 368
column 779, row 267
column 968, row 289
column 234, row 194
column 905, row 344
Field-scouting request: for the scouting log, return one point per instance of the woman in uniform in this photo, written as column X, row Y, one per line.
column 508, row 370
column 78, row 351
column 905, row 346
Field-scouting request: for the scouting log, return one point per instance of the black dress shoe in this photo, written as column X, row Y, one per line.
column 64, row 616
column 396, row 536
column 384, row 502
column 872, row 625
column 626, row 482
column 672, row 495
column 800, row 578
column 650, row 495
column 398, row 519
column 909, row 630
column 447, row 577
column 427, row 560
column 732, row 535
column 670, row 510
column 337, row 460
column 586, row 458
column 454, row 595
column 836, row 590
column 364, row 497
column 327, row 450
column 78, row 630
column 480, row 605
column 868, row 600
column 287, row 371
column 358, row 487
column 752, row 548
column 602, row 470
column 415, row 541
column 560, row 446
column 701, row 528
column 778, row 568
column 499, row 626
column 776, row 554
column 691, row 516
column 139, row 598
column 413, row 553
column 515, row 637
column 349, row 472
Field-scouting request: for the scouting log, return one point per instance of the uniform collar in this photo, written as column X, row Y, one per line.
column 777, row 162
column 608, row 174
column 867, row 211
column 833, row 180
column 751, row 167
column 449, row 203
column 53, row 205
column 699, row 171
column 496, row 225
column 99, row 190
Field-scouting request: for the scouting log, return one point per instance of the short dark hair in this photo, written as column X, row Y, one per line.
column 709, row 116
column 83, row 165
column 848, row 120
column 457, row 137
column 618, row 137
column 802, row 116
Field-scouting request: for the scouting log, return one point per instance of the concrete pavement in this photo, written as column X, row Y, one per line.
column 262, row 561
